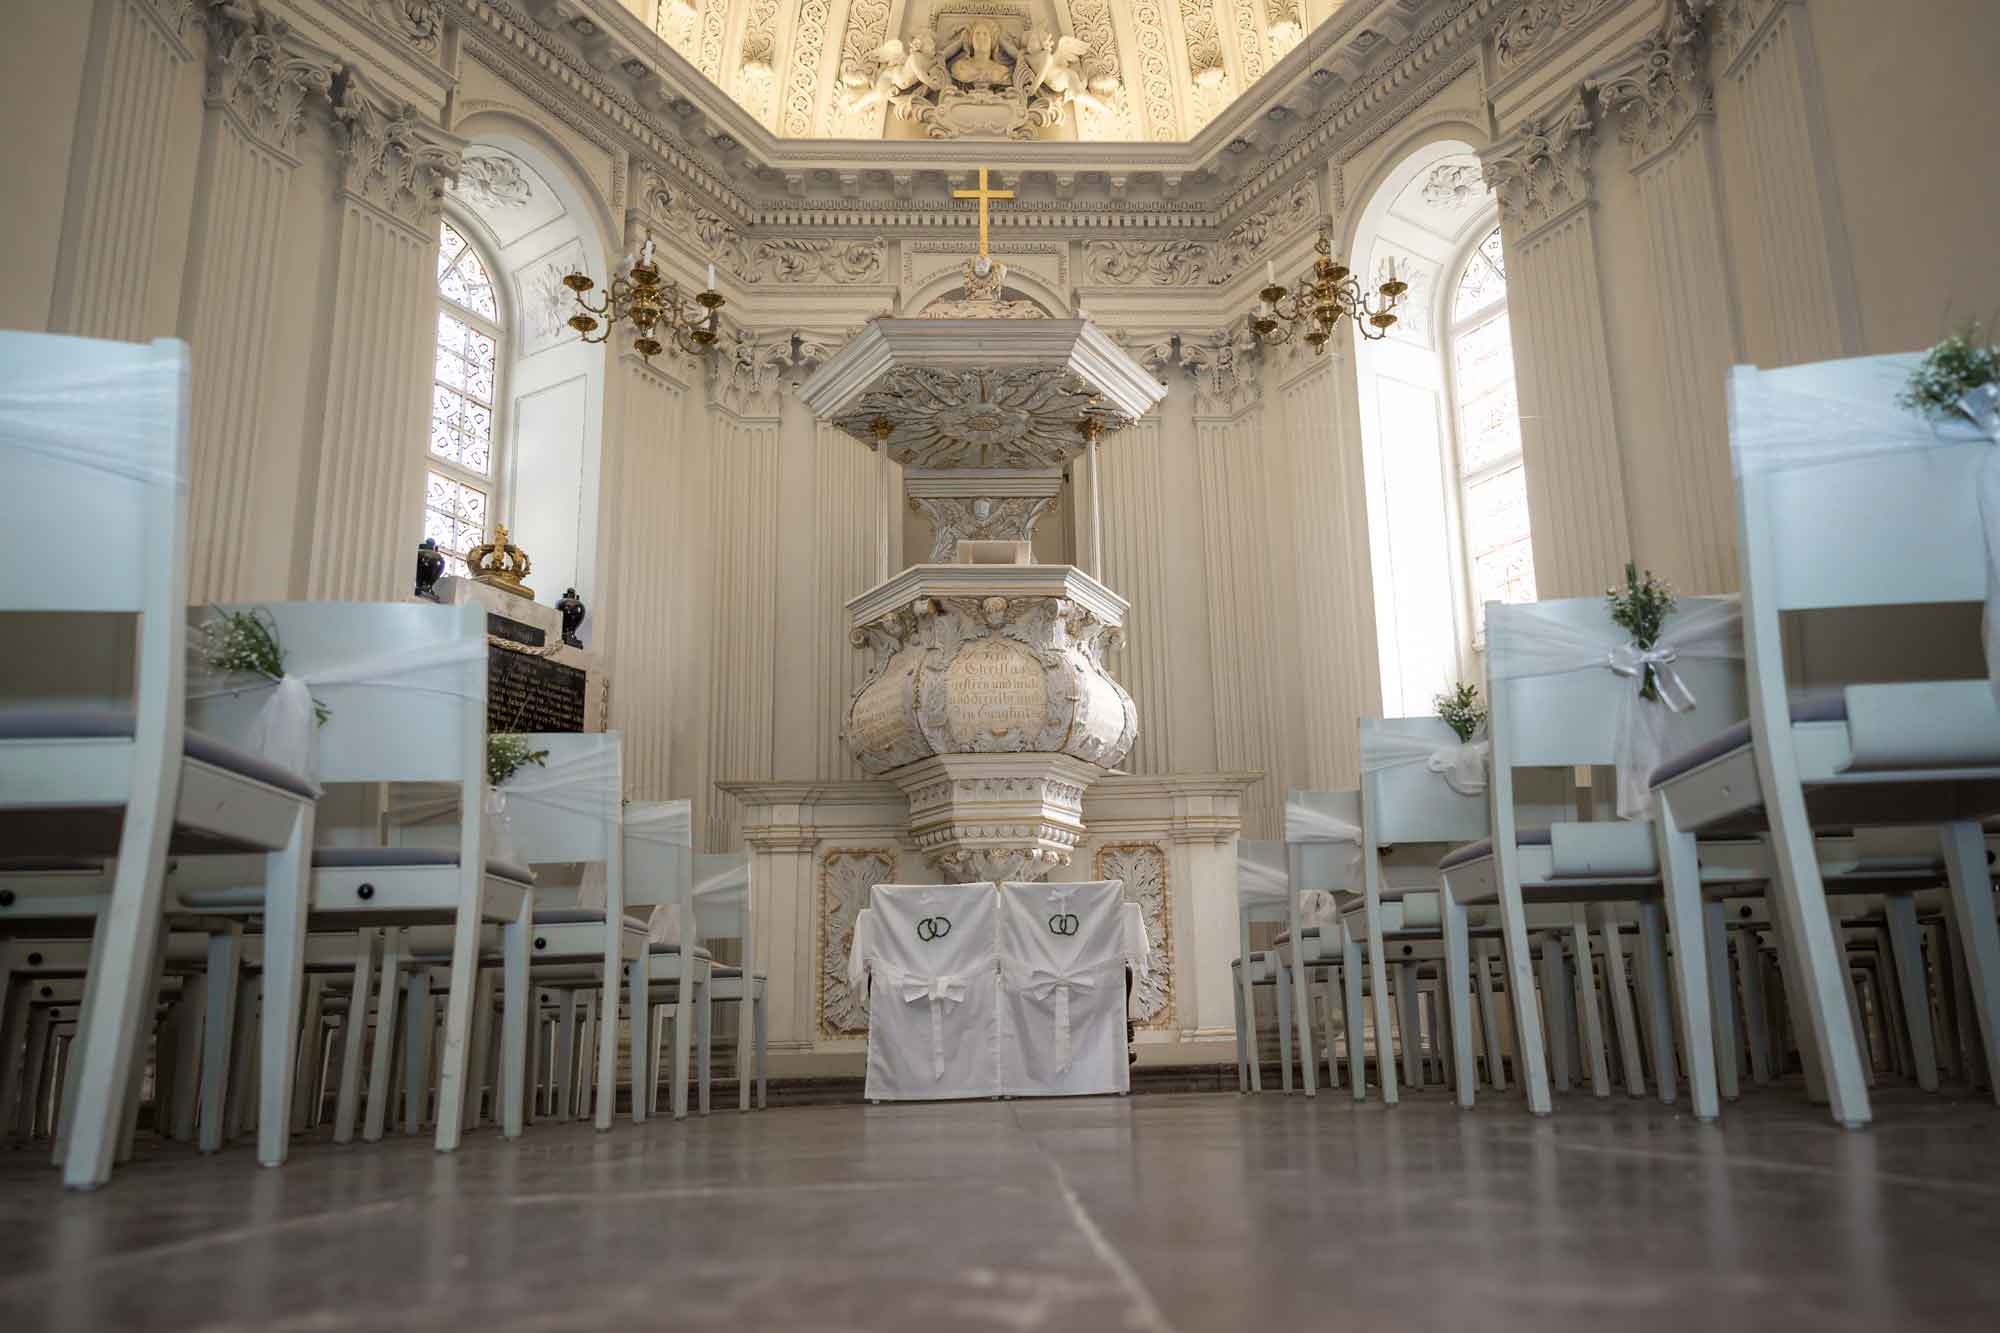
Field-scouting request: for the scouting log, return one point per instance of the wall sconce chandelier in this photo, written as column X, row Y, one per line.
column 1315, row 307
column 652, row 306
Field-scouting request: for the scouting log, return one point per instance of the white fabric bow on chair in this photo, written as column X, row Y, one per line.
column 1055, row 987
column 940, row 991
column 1462, row 766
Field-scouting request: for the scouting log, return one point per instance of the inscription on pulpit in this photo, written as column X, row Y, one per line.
column 993, row 687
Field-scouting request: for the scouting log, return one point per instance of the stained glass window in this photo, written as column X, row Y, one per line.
column 458, row 490
column 1493, row 481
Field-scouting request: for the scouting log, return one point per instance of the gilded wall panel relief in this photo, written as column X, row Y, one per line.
column 846, row 875
column 1143, row 867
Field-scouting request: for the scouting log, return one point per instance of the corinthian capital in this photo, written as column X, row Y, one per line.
column 1541, row 171
column 260, row 73
column 1661, row 86
column 391, row 157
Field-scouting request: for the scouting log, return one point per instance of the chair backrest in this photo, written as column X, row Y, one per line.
column 569, row 807
column 94, row 449
column 1845, row 498
column 720, row 894
column 1059, row 925
column 659, row 853
column 910, row 938
column 1402, row 800
column 404, row 685
column 1318, row 865
column 1573, row 716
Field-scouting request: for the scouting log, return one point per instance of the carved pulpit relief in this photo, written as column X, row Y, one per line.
column 981, row 75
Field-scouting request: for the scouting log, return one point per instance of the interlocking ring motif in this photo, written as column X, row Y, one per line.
column 1064, row 923
column 933, row 928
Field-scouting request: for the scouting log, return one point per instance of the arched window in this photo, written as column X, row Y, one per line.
column 1492, row 484
column 459, row 490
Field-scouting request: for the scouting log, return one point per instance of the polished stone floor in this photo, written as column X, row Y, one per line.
column 1187, row 1211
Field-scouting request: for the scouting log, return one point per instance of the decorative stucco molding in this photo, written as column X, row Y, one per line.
column 1541, row 172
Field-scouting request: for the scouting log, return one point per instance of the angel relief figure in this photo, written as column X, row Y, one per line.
column 1053, row 63
column 900, row 73
column 971, row 60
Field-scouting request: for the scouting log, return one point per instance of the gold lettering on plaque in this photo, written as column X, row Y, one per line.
column 993, row 687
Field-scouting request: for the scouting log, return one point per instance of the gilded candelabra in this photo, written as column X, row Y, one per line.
column 1332, row 295
column 651, row 305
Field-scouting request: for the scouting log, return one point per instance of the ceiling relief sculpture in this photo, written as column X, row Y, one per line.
column 984, row 69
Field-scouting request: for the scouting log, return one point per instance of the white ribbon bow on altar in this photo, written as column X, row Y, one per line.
column 940, row 991
column 1055, row 987
column 1632, row 661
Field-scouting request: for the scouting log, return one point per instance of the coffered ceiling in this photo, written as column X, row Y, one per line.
column 1093, row 70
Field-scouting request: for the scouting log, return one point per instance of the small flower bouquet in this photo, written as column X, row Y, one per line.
column 507, row 753
column 1966, row 361
column 1641, row 610
column 1460, row 709
column 246, row 643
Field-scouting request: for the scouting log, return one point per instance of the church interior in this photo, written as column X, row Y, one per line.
column 1015, row 664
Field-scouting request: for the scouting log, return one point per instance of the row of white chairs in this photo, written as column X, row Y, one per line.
column 1835, row 834
column 204, row 889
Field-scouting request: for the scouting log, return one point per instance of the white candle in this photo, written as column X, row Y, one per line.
column 711, row 277
column 646, row 252
column 1270, row 274
column 1392, row 268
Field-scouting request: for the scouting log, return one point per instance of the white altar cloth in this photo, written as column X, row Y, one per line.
column 978, row 990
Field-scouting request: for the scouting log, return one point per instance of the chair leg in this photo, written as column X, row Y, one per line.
column 418, row 1020
column 243, row 1054
column 1284, row 994
column 481, row 1058
column 658, row 1014
column 1937, row 950
column 381, row 1066
column 1972, row 912
column 1378, row 981
column 15, row 1004
column 1906, row 944
column 1409, row 1024
column 1756, row 1029
column 565, row 1067
column 1489, row 1016
column 353, row 1033
column 1977, row 1072
column 1630, row 1062
column 309, row 1045
column 639, row 982
column 705, row 1030
column 586, row 1071
column 1331, row 989
column 516, row 1019
column 746, row 1019
column 1357, row 1040
column 1653, row 987
column 1688, row 919
column 1530, row 1059
column 607, row 1034
column 135, row 1087
column 1587, row 1001
column 287, row 898
column 34, row 1073
column 1302, row 1013
column 1722, row 1000
column 1242, row 1057
column 1816, row 958
column 1458, row 999
column 760, row 1016
column 684, row 1024
column 1555, row 1010
column 225, row 951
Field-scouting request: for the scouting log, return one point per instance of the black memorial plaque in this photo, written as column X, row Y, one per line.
column 515, row 631
column 528, row 692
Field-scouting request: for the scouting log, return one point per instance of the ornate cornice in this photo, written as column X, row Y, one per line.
column 1541, row 172
column 1540, row 26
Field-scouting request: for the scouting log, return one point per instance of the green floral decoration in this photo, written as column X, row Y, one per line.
column 1967, row 360
column 1461, row 710
column 246, row 643
column 507, row 753
column 1641, row 610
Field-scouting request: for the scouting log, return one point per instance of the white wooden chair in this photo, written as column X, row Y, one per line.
column 934, row 974
column 723, row 895
column 659, row 876
column 1559, row 700
column 94, row 439
column 1263, row 894
column 405, row 686
column 1846, row 500
column 1408, row 799
column 1064, row 949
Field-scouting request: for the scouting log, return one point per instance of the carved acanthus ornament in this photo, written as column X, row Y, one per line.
column 1220, row 367
column 1662, row 87
column 846, row 876
column 979, row 518
column 1150, row 263
column 493, row 180
column 747, row 375
column 392, row 158
column 420, row 21
column 1538, row 24
column 1143, row 868
column 257, row 73
column 1541, row 172
column 1020, row 418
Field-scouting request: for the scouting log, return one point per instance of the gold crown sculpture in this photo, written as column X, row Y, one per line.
column 500, row 564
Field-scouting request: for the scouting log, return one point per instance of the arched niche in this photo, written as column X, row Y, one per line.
column 533, row 210
column 1421, row 212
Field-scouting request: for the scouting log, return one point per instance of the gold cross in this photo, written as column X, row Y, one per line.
column 982, row 194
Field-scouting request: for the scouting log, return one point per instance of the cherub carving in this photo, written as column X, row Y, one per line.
column 899, row 70
column 1052, row 62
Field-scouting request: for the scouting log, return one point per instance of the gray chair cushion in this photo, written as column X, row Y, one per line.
column 1474, row 851
column 580, row 916
column 1806, row 706
column 673, row 950
column 388, row 858
column 727, row 970
column 77, row 723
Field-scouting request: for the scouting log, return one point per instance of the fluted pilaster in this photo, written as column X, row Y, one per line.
column 111, row 215
column 1569, row 431
column 1666, row 109
column 1136, row 528
column 743, row 546
column 847, row 519
column 259, row 96
column 1799, row 245
column 369, row 502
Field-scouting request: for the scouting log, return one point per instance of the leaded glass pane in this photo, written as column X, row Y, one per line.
column 455, row 516
column 462, row 278
column 446, row 408
column 1484, row 280
column 1489, row 427
column 1483, row 357
column 1497, row 538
